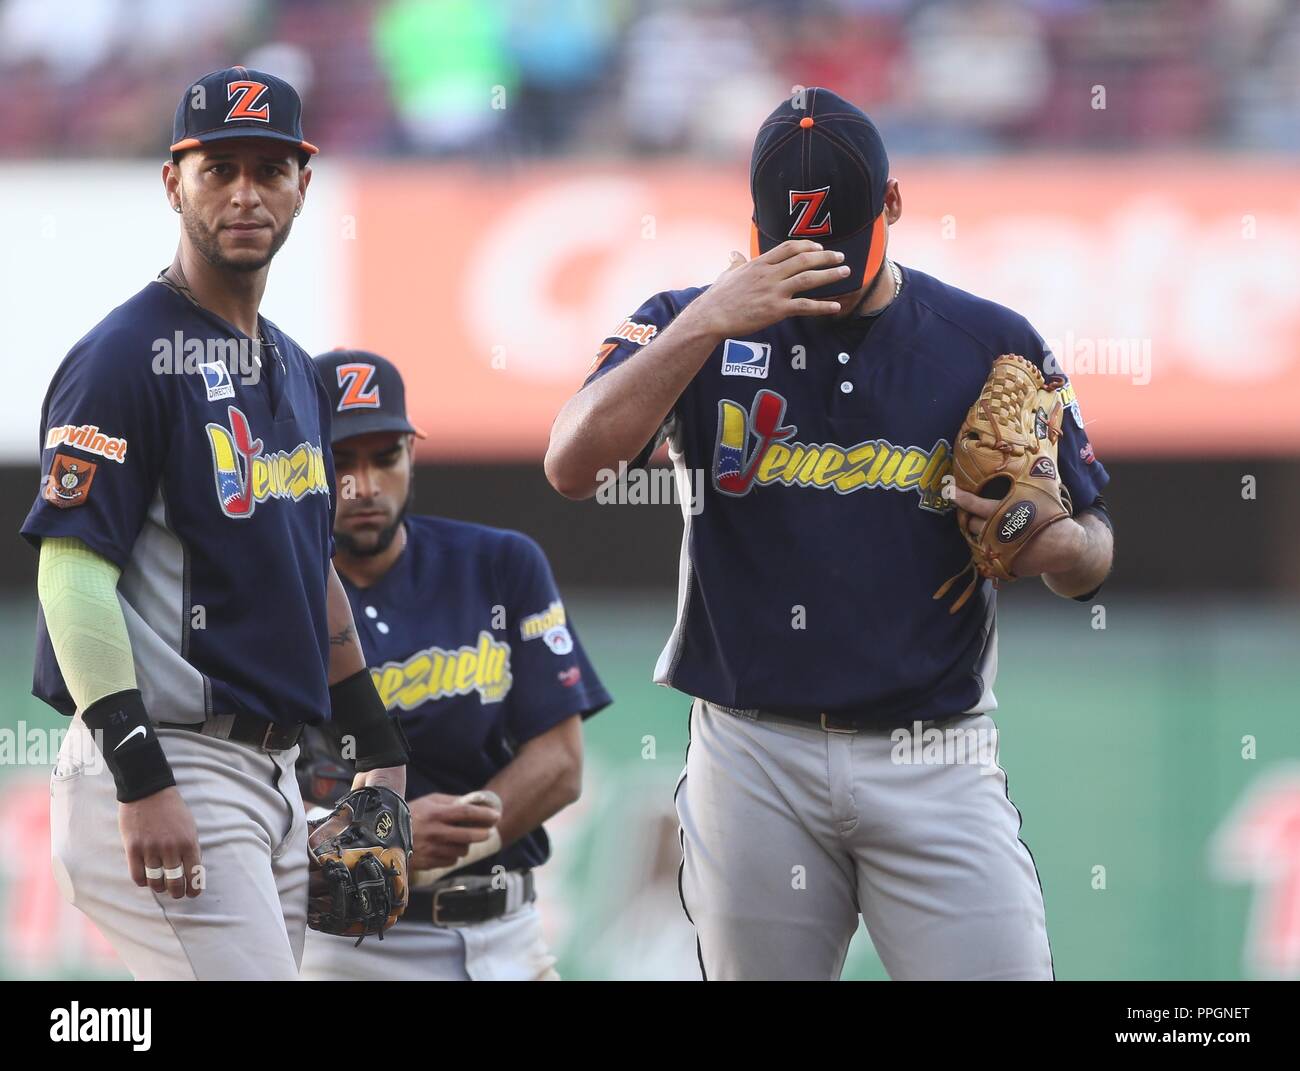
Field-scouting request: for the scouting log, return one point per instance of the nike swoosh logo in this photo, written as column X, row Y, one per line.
column 138, row 729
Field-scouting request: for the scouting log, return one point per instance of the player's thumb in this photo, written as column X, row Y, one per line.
column 736, row 260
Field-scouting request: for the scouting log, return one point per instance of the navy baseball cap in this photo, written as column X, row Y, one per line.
column 819, row 172
column 238, row 102
column 366, row 394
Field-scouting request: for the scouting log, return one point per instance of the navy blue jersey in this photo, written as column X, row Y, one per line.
column 212, row 492
column 808, row 574
column 470, row 646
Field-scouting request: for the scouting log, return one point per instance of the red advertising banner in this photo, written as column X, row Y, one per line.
column 1167, row 287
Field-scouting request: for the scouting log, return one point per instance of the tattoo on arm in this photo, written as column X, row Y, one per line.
column 346, row 638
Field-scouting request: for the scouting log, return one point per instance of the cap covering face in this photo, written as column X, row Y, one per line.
column 819, row 172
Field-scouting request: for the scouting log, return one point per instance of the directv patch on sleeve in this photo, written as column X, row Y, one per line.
column 745, row 358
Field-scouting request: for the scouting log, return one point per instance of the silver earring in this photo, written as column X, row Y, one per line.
column 297, row 212
column 176, row 208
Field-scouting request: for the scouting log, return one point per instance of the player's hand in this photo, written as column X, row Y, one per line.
column 1056, row 549
column 444, row 828
column 158, row 833
column 393, row 777
column 754, row 294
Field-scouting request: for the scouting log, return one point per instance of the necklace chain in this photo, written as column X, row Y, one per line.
column 172, row 276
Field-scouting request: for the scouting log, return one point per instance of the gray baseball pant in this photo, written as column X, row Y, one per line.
column 250, row 920
column 506, row 949
column 790, row 832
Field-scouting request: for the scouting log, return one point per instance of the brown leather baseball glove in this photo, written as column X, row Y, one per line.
column 1006, row 451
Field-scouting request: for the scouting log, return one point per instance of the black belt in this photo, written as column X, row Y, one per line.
column 245, row 729
column 473, row 898
column 837, row 721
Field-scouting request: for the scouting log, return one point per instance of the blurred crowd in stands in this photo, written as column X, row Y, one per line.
column 440, row 78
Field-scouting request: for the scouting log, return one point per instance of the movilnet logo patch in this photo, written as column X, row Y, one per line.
column 1086, row 453
column 749, row 359
column 68, row 483
column 628, row 331
column 632, row 331
column 1043, row 467
column 569, row 677
column 1015, row 520
column 89, row 438
column 540, row 624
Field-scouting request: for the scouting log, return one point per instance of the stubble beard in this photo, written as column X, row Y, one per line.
column 350, row 545
column 205, row 240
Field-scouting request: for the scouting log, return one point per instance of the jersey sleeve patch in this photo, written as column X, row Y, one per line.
column 632, row 335
column 1080, row 471
column 68, row 482
column 88, row 438
column 105, row 430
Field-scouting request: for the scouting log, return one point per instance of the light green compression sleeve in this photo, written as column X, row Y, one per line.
column 78, row 592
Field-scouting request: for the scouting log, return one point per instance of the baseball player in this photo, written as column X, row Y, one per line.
column 191, row 621
column 819, row 386
column 471, row 648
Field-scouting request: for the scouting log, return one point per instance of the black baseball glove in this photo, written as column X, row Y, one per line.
column 360, row 855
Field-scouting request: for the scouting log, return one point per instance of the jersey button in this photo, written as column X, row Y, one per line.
column 382, row 628
column 846, row 387
column 371, row 612
column 843, row 358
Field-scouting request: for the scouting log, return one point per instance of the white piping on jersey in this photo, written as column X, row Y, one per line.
column 666, row 666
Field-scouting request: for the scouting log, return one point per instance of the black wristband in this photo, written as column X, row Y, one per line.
column 358, row 712
column 130, row 747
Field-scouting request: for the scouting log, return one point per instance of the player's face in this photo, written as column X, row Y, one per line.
column 374, row 480
column 238, row 199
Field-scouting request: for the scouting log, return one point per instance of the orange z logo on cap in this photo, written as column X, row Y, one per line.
column 354, row 381
column 68, row 483
column 249, row 94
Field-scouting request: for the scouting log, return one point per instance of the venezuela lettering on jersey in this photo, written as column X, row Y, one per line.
column 777, row 458
column 435, row 673
column 245, row 477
